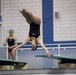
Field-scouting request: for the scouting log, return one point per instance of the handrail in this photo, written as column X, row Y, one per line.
column 40, row 48
column 47, row 48
column 59, row 47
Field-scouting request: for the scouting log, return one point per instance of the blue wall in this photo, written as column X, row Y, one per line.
column 47, row 11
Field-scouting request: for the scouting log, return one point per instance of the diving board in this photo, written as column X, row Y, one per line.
column 64, row 59
column 12, row 64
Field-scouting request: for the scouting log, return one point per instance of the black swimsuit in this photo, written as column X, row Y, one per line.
column 34, row 30
column 11, row 42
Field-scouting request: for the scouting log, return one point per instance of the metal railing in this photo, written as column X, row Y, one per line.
column 57, row 46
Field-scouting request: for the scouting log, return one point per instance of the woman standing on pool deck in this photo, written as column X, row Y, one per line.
column 12, row 43
column 34, row 32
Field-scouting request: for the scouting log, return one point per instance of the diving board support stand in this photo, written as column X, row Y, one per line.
column 6, row 67
column 13, row 67
column 20, row 67
column 66, row 65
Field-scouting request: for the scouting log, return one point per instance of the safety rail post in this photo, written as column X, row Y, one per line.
column 6, row 51
column 58, row 49
column 16, row 54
